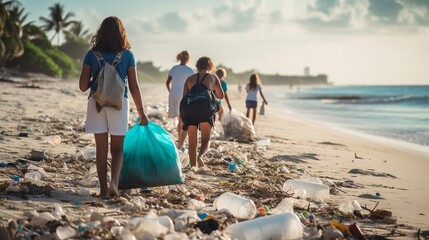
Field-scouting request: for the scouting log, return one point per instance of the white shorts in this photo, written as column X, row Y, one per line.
column 174, row 105
column 108, row 120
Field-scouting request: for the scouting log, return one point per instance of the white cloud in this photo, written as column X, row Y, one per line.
column 276, row 36
column 362, row 16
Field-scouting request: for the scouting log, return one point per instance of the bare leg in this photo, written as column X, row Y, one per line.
column 220, row 112
column 254, row 116
column 179, row 128
column 102, row 146
column 116, row 150
column 205, row 129
column 193, row 141
column 182, row 134
column 247, row 112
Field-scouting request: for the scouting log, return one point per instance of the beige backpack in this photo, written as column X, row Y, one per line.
column 110, row 86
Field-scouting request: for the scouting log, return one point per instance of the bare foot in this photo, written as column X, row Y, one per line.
column 113, row 190
column 104, row 194
column 203, row 170
column 200, row 162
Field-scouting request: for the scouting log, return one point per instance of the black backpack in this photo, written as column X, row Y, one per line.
column 199, row 101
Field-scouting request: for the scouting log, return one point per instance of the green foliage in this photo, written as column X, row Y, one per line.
column 36, row 36
column 14, row 47
column 147, row 72
column 10, row 32
column 75, row 47
column 64, row 61
column 77, row 31
column 35, row 59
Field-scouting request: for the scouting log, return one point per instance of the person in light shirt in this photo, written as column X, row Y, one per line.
column 252, row 88
column 175, row 81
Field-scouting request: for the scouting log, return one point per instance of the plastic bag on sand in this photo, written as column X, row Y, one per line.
column 150, row 158
column 236, row 125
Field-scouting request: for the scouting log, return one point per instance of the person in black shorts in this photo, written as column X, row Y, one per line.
column 191, row 124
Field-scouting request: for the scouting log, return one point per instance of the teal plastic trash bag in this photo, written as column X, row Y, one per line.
column 150, row 158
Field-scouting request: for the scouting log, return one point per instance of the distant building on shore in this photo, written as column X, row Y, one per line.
column 321, row 79
column 267, row 79
column 307, row 71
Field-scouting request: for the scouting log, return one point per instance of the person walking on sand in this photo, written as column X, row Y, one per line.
column 252, row 88
column 175, row 82
column 109, row 40
column 192, row 124
column 221, row 74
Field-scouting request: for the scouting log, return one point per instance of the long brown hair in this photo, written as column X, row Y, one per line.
column 110, row 36
column 254, row 81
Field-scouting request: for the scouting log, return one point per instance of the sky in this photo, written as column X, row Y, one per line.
column 354, row 42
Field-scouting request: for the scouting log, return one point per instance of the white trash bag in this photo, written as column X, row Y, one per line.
column 237, row 126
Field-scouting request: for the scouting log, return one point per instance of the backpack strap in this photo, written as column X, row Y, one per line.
column 117, row 58
column 198, row 78
column 100, row 58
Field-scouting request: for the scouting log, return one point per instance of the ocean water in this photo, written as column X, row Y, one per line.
column 395, row 112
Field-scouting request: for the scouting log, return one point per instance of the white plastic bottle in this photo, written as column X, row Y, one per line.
column 280, row 226
column 306, row 189
column 238, row 206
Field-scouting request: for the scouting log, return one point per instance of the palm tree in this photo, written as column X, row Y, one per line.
column 3, row 17
column 77, row 31
column 58, row 20
column 30, row 31
column 10, row 32
column 77, row 41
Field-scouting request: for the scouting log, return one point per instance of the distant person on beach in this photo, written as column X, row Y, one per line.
column 175, row 82
column 109, row 40
column 252, row 88
column 192, row 124
column 221, row 74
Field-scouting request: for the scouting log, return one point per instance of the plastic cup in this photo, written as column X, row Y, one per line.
column 35, row 175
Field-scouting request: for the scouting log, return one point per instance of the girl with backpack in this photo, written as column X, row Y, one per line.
column 191, row 115
column 253, row 87
column 110, row 40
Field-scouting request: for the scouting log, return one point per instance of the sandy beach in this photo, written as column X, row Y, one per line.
column 376, row 173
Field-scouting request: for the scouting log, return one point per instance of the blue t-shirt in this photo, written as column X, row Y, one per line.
column 224, row 85
column 127, row 61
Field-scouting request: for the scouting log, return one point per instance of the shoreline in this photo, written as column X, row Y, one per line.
column 390, row 142
column 388, row 116
column 404, row 194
